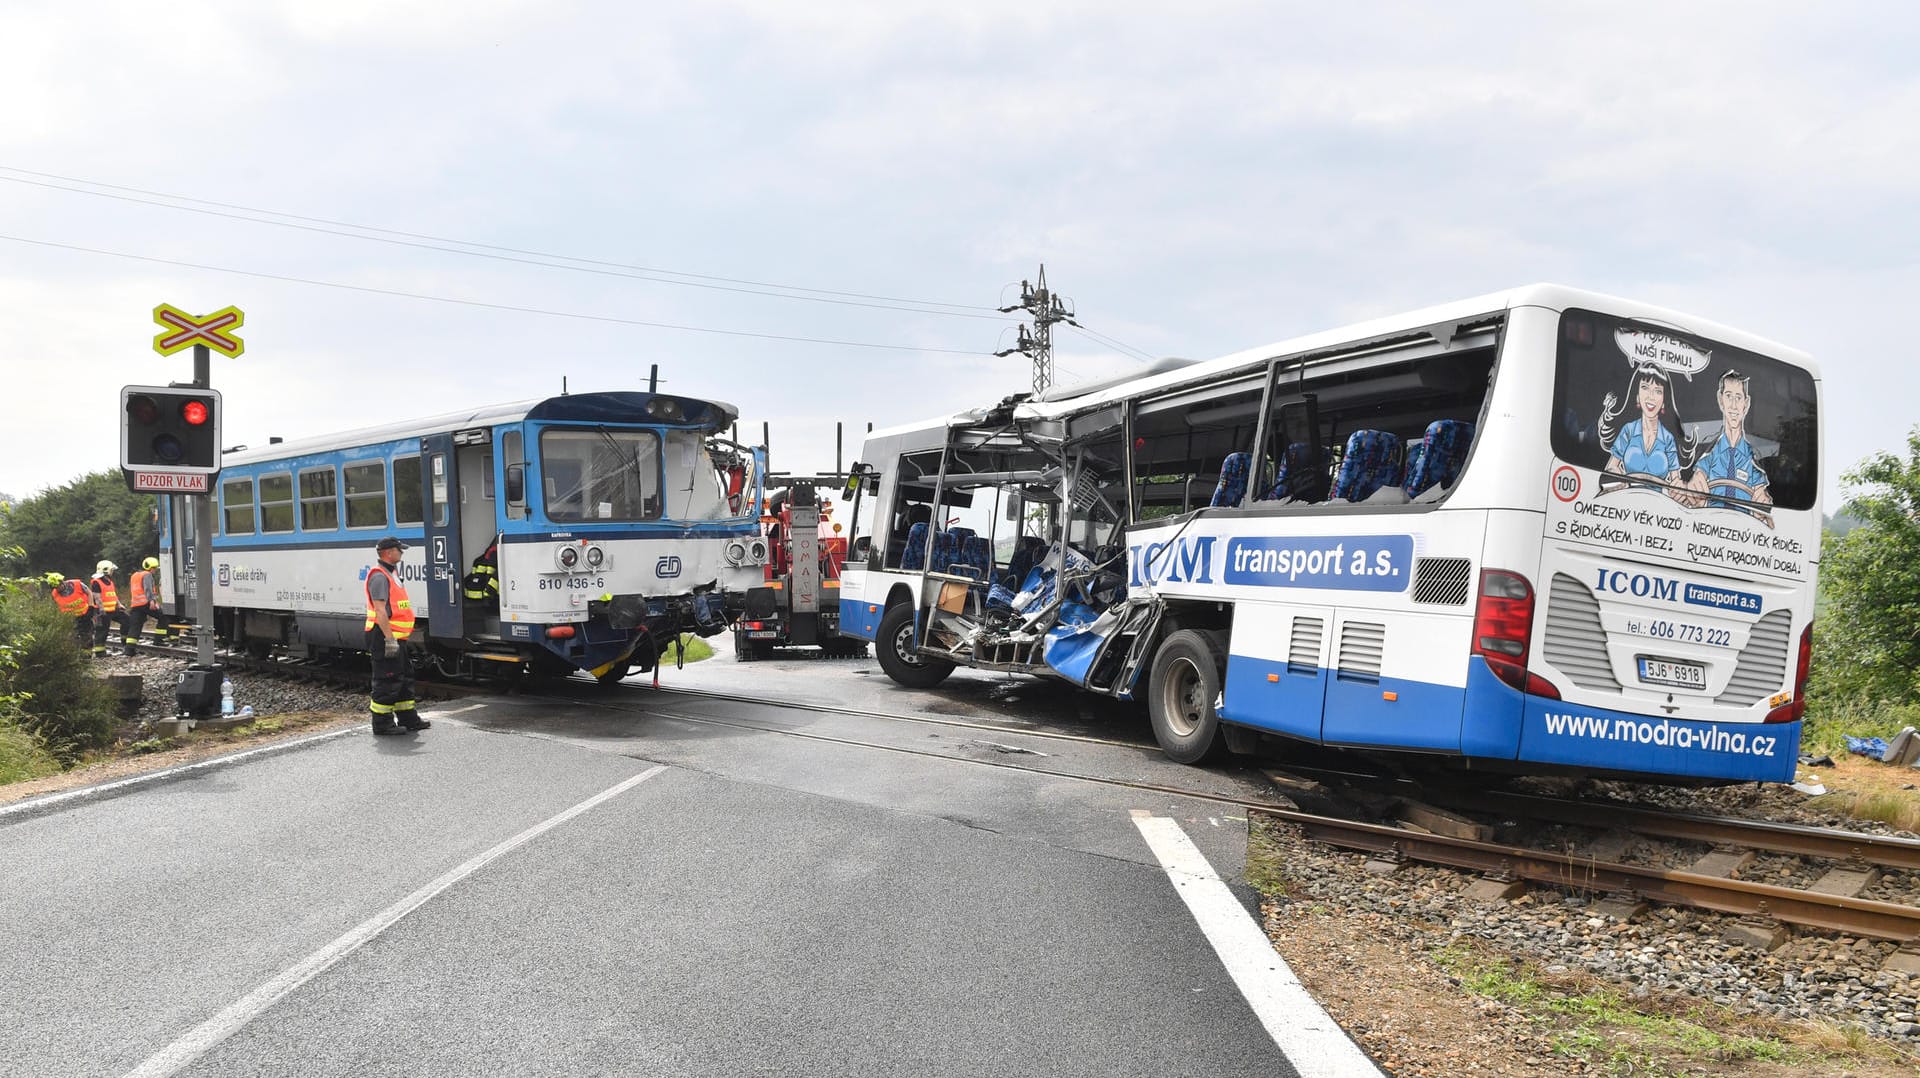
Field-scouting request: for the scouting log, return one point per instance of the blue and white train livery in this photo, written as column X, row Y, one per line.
column 1539, row 531
column 620, row 520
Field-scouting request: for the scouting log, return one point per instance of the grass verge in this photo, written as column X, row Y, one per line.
column 697, row 649
column 22, row 756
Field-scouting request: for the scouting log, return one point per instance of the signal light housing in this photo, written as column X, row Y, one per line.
column 170, row 429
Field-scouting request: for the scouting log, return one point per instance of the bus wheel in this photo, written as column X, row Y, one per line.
column 897, row 657
column 1180, row 695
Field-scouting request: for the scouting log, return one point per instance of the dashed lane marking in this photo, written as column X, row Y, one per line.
column 1309, row 1037
column 199, row 1040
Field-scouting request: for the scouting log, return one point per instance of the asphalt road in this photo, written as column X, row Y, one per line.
column 786, row 891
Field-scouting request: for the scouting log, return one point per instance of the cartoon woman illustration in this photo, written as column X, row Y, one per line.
column 1657, row 446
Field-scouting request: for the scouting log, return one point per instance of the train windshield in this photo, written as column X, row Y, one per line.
column 601, row 473
column 696, row 479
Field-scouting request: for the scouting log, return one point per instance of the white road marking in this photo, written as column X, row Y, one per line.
column 88, row 792
column 457, row 711
column 1312, row 1041
column 198, row 1041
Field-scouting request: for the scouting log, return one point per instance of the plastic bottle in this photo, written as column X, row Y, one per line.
column 226, row 696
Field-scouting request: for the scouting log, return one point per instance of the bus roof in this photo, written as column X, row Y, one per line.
column 1099, row 393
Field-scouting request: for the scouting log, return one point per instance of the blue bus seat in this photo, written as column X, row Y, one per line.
column 1373, row 460
column 1301, row 476
column 1233, row 480
column 915, row 555
column 1444, row 451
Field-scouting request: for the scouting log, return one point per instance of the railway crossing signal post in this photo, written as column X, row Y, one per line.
column 170, row 444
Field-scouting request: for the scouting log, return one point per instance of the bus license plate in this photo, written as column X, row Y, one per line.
column 1673, row 672
column 761, row 634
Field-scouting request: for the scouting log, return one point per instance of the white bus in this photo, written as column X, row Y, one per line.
column 1539, row 531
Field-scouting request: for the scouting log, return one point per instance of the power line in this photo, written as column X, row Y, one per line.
column 1144, row 357
column 430, row 242
column 489, row 306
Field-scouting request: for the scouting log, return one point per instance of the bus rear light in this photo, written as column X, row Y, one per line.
column 1792, row 712
column 1503, row 628
column 755, row 625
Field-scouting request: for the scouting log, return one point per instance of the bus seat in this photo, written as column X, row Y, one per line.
column 1373, row 460
column 979, row 556
column 1445, row 443
column 1029, row 551
column 1302, row 476
column 966, row 552
column 1233, row 480
column 915, row 555
column 1416, row 453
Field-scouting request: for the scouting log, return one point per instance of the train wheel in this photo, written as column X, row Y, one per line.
column 614, row 676
column 1180, row 695
column 897, row 656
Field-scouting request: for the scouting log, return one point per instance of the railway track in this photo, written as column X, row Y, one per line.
column 1804, row 907
column 1807, row 908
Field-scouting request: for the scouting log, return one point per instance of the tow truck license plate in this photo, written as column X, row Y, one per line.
column 1672, row 672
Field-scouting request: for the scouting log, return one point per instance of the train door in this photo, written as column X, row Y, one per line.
column 440, row 493
column 184, row 587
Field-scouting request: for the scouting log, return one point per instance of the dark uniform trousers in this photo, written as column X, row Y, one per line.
column 133, row 621
column 392, row 691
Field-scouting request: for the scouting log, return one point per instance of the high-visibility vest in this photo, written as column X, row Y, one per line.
column 143, row 589
column 109, row 599
column 399, row 607
column 72, row 598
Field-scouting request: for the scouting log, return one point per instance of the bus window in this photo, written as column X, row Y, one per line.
column 1182, row 444
column 1739, row 430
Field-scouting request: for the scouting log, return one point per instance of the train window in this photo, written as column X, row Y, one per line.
column 236, row 506
column 695, row 491
column 512, row 454
column 276, row 502
column 319, row 500
column 486, row 477
column 406, row 490
column 601, row 474
column 366, row 494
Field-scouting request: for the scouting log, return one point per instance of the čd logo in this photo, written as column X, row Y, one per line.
column 667, row 567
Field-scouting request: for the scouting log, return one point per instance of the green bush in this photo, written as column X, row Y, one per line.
column 22, row 756
column 49, row 677
column 1831, row 720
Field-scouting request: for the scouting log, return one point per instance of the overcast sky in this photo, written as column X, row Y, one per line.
column 1198, row 178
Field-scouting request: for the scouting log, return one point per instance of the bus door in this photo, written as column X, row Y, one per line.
column 440, row 488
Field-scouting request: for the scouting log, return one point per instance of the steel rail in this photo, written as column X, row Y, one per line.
column 1801, row 839
column 1837, row 913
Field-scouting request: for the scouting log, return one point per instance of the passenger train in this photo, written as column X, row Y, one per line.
column 621, row 520
column 1544, row 530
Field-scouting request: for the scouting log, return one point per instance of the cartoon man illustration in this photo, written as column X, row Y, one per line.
column 1728, row 469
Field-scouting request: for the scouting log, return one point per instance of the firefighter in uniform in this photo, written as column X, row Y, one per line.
column 106, row 604
column 482, row 583
column 389, row 623
column 143, row 596
column 71, row 597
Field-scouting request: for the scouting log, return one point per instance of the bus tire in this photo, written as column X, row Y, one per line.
column 1180, row 695
column 897, row 656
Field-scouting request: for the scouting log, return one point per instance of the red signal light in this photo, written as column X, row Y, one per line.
column 194, row 412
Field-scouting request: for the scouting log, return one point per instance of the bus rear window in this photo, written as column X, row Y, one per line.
column 1714, row 425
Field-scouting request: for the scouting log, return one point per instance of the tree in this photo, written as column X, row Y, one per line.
column 1868, row 640
column 69, row 528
